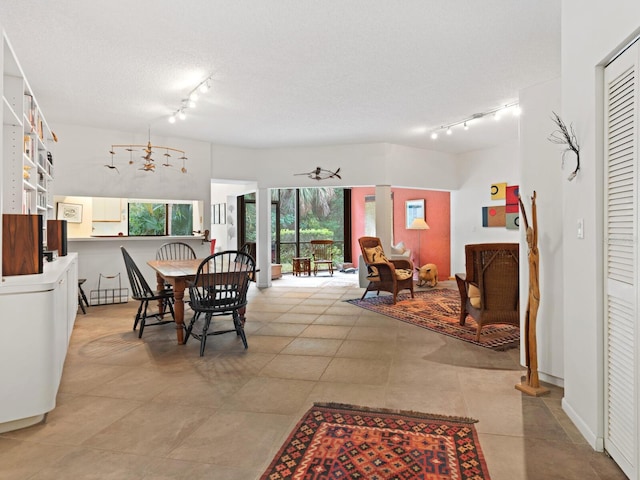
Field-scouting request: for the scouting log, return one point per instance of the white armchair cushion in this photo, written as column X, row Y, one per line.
column 398, row 249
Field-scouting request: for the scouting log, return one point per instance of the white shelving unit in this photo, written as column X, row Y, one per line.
column 27, row 159
column 39, row 310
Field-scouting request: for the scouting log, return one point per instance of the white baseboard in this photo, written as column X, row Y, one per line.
column 597, row 443
column 557, row 381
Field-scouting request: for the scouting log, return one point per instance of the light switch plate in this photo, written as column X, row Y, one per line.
column 581, row 228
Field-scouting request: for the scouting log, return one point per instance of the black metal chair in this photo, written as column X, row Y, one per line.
column 220, row 288
column 141, row 292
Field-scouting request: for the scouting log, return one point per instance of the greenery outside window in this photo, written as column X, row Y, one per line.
column 158, row 219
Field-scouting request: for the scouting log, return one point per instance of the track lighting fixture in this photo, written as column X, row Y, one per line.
column 190, row 100
column 514, row 108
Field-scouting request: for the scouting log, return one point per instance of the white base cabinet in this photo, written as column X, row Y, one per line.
column 37, row 316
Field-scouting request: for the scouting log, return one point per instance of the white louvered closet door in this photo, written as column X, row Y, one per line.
column 621, row 259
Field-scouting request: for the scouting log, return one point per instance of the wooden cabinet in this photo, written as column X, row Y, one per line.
column 27, row 158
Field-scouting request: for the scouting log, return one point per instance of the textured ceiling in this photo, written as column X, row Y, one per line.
column 287, row 72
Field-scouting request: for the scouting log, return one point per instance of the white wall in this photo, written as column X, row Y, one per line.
column 478, row 170
column 81, row 153
column 362, row 164
column 225, row 192
column 541, row 171
column 591, row 33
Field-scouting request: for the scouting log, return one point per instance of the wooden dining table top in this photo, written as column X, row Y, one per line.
column 176, row 268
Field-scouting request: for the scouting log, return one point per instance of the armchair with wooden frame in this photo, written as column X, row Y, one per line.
column 322, row 253
column 384, row 274
column 489, row 291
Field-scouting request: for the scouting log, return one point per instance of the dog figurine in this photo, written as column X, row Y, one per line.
column 427, row 275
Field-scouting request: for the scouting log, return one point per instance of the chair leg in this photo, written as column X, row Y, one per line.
column 203, row 339
column 239, row 329
column 189, row 328
column 81, row 305
column 137, row 319
column 143, row 319
column 83, row 296
column 478, row 332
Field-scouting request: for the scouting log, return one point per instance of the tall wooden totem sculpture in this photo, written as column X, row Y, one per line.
column 531, row 386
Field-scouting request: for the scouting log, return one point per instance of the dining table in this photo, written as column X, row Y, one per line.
column 179, row 273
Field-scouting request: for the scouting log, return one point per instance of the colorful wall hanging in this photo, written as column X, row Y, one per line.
column 493, row 216
column 512, row 209
column 498, row 191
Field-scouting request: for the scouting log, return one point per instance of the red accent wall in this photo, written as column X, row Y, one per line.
column 435, row 243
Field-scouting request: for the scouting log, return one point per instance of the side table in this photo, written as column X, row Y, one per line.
column 301, row 265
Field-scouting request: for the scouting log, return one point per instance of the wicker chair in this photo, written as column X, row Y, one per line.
column 322, row 253
column 383, row 274
column 489, row 291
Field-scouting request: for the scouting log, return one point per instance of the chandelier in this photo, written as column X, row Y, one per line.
column 152, row 155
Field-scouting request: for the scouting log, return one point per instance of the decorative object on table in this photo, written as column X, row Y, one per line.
column 427, row 275
column 531, row 385
column 498, row 191
column 322, row 255
column 512, row 209
column 438, row 310
column 334, row 440
column 490, row 288
column 320, row 173
column 384, row 275
column 494, row 216
column 149, row 155
column 414, row 209
column 71, row 212
column 566, row 136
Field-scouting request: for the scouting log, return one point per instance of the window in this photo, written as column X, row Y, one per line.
column 156, row 219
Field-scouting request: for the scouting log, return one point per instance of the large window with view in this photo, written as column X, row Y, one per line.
column 299, row 215
column 158, row 219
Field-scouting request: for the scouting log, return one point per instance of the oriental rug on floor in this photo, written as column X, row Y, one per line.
column 438, row 310
column 337, row 441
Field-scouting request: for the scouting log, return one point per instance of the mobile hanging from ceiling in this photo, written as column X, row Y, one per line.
column 151, row 156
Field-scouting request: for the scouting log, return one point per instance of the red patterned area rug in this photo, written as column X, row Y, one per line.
column 336, row 441
column 439, row 310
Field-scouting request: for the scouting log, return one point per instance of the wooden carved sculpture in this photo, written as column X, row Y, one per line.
column 532, row 384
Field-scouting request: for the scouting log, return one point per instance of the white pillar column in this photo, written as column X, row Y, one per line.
column 263, row 237
column 384, row 216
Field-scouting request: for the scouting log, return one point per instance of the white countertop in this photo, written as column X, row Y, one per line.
column 38, row 282
column 120, row 238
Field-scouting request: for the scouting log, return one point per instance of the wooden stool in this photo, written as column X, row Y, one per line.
column 301, row 265
column 82, row 298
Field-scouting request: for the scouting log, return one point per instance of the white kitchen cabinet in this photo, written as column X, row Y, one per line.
column 38, row 314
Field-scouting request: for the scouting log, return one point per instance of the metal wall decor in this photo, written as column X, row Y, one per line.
column 566, row 136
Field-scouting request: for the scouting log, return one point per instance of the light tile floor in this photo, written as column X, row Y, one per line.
column 152, row 409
